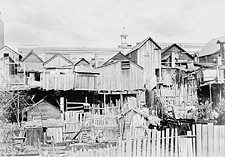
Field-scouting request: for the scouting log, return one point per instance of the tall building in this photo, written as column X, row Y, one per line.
column 1, row 32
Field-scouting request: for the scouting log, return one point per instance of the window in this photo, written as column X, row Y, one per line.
column 125, row 65
column 157, row 72
column 6, row 55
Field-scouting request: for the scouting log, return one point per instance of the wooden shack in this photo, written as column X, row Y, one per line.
column 121, row 75
column 147, row 54
column 32, row 64
column 175, row 55
column 58, row 73
column 86, row 77
column 136, row 120
column 43, row 115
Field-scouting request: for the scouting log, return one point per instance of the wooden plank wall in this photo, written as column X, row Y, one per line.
column 150, row 59
column 69, row 81
column 113, row 78
column 86, row 81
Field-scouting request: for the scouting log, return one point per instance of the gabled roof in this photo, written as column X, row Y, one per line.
column 174, row 45
column 82, row 59
column 29, row 54
column 211, row 47
column 6, row 47
column 118, row 56
column 56, row 55
column 137, row 47
column 169, row 47
column 42, row 100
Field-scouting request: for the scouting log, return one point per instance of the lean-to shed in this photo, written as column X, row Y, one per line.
column 47, row 118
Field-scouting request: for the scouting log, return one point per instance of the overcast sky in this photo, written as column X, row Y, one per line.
column 99, row 23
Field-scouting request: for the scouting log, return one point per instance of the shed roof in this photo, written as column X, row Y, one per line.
column 42, row 100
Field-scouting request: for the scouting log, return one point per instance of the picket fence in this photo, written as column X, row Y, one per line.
column 164, row 143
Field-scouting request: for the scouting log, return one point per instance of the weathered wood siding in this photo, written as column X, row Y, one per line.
column 43, row 110
column 57, row 80
column 148, row 57
column 32, row 63
column 86, row 81
column 114, row 78
column 67, row 80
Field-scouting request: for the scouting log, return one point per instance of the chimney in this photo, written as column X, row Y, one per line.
column 1, row 32
column 123, row 38
column 222, row 53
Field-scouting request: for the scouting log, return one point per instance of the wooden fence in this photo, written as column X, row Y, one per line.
column 210, row 140
column 155, row 143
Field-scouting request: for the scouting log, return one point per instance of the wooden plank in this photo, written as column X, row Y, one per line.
column 134, row 148
column 163, row 143
column 139, row 140
column 210, row 139
column 149, row 142
column 167, row 142
column 153, row 142
column 172, row 143
column 144, row 147
column 216, row 134
column 128, row 144
column 158, row 145
column 189, row 145
column 204, row 141
column 194, row 139
column 199, row 140
column 222, row 138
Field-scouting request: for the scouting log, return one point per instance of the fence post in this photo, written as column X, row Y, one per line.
column 153, row 141
column 204, row 141
column 199, row 140
column 210, row 139
column 158, row 146
column 167, row 142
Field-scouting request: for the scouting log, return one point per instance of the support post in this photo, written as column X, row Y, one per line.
column 18, row 110
column 104, row 103
column 210, row 92
column 62, row 107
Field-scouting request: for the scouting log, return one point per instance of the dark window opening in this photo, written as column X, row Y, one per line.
column 125, row 65
column 37, row 77
column 157, row 72
column 6, row 55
